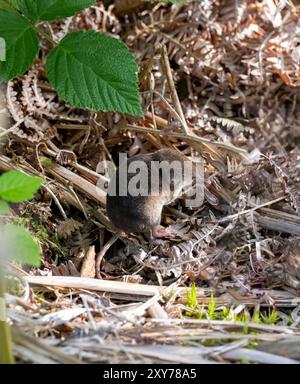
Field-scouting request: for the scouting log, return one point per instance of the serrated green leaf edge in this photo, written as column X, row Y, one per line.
column 69, row 89
column 53, row 11
column 33, row 181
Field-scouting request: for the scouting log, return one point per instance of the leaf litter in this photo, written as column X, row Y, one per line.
column 219, row 81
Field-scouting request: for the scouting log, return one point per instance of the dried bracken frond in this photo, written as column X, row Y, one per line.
column 32, row 104
column 96, row 17
column 65, row 269
column 233, row 11
column 66, row 228
column 80, row 239
column 13, row 104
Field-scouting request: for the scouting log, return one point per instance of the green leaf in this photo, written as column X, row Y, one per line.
column 19, row 245
column 16, row 186
column 14, row 3
column 8, row 5
column 21, row 44
column 4, row 207
column 95, row 71
column 52, row 9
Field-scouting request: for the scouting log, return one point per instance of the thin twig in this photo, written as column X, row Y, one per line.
column 59, row 206
column 11, row 129
column 174, row 95
column 236, row 215
column 229, row 147
column 103, row 251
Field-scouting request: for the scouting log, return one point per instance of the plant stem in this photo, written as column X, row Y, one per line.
column 44, row 34
column 6, row 355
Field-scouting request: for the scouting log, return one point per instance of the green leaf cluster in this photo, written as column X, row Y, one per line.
column 214, row 312
column 16, row 242
column 87, row 69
